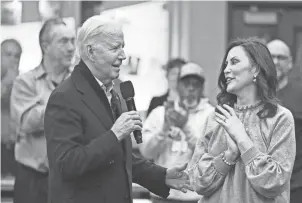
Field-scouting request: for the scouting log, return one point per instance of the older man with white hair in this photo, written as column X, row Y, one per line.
column 88, row 142
column 290, row 94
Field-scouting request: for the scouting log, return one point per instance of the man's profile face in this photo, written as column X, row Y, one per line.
column 62, row 45
column 10, row 57
column 281, row 58
column 109, row 55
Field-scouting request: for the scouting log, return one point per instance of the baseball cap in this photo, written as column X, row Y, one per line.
column 191, row 69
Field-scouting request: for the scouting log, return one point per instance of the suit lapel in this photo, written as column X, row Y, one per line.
column 126, row 143
column 128, row 158
column 98, row 106
column 119, row 112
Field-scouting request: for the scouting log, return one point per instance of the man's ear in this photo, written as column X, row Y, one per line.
column 44, row 46
column 89, row 52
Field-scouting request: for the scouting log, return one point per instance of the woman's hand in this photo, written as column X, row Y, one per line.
column 235, row 128
column 232, row 153
column 231, row 123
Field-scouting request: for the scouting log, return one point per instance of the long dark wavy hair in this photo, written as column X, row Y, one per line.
column 266, row 82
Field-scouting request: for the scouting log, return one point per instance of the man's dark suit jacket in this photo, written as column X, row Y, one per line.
column 87, row 164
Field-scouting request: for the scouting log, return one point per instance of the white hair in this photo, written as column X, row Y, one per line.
column 96, row 30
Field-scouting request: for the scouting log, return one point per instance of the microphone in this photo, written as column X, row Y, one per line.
column 127, row 92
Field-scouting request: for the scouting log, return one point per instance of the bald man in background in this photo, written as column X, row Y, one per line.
column 290, row 94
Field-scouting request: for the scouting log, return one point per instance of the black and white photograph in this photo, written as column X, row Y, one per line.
column 159, row 101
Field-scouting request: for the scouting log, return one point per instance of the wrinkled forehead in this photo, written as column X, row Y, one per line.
column 278, row 48
column 110, row 35
column 63, row 31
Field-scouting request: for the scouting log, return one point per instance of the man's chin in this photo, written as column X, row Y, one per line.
column 115, row 76
column 190, row 104
column 280, row 77
column 67, row 64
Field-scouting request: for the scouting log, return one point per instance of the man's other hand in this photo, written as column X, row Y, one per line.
column 177, row 179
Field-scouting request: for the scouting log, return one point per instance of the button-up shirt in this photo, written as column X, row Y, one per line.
column 30, row 94
column 107, row 90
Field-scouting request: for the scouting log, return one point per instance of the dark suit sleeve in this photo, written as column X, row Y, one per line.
column 150, row 176
column 64, row 135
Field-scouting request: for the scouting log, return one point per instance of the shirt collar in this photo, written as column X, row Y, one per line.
column 106, row 89
column 40, row 71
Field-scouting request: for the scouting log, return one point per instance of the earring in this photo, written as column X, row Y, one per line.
column 254, row 78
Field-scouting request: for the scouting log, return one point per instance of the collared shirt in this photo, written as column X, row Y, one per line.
column 107, row 90
column 30, row 94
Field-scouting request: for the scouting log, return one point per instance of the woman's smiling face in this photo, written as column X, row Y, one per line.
column 238, row 70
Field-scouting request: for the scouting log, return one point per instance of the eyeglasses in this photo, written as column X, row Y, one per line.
column 280, row 57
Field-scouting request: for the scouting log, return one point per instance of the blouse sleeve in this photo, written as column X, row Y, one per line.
column 206, row 171
column 269, row 173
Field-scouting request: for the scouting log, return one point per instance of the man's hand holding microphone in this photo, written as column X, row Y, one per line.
column 126, row 124
column 130, row 122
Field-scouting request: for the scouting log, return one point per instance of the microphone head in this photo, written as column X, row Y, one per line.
column 127, row 89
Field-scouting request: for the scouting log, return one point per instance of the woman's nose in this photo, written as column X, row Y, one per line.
column 227, row 70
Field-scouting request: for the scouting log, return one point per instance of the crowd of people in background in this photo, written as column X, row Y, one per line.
column 248, row 148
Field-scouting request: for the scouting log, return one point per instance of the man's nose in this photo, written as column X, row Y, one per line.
column 275, row 60
column 191, row 87
column 122, row 55
column 70, row 47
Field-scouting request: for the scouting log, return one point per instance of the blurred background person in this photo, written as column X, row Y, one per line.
column 290, row 94
column 30, row 94
column 10, row 57
column 247, row 151
column 171, row 131
column 172, row 69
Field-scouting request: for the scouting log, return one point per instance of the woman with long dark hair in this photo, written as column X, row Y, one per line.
column 247, row 151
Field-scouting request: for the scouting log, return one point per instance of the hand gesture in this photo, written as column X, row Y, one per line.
column 233, row 150
column 230, row 122
column 177, row 179
column 174, row 133
column 175, row 118
column 126, row 124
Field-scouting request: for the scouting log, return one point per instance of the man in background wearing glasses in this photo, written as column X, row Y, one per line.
column 290, row 94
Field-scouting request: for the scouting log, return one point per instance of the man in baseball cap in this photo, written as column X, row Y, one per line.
column 171, row 131
column 191, row 85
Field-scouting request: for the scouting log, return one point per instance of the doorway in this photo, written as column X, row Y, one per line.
column 268, row 21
